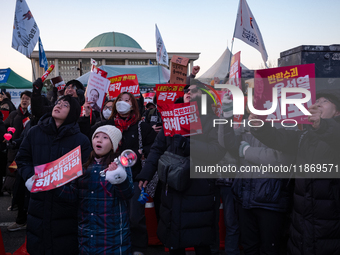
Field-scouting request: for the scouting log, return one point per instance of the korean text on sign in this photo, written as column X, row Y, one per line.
column 301, row 76
column 181, row 119
column 59, row 172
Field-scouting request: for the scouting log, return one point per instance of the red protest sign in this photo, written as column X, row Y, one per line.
column 123, row 83
column 5, row 114
column 182, row 119
column 235, row 70
column 58, row 172
column 168, row 93
column 300, row 76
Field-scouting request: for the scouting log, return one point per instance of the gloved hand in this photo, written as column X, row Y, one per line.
column 116, row 176
column 242, row 149
column 29, row 183
column 37, row 86
column 143, row 197
column 227, row 106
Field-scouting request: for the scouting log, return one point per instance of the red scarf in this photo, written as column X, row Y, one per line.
column 124, row 124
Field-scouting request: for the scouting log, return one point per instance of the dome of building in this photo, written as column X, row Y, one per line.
column 113, row 42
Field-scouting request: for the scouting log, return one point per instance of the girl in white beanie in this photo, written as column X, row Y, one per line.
column 104, row 226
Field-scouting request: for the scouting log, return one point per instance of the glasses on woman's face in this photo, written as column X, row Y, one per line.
column 62, row 104
column 193, row 90
column 108, row 107
column 69, row 87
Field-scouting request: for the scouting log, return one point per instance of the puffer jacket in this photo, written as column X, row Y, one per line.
column 315, row 228
column 103, row 215
column 51, row 221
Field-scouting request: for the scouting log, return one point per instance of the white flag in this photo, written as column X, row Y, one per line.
column 246, row 29
column 162, row 55
column 25, row 30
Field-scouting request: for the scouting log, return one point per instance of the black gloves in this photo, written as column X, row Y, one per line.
column 37, row 86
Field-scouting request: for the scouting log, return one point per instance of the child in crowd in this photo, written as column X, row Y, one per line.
column 104, row 226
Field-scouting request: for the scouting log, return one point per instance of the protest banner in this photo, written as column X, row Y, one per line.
column 58, row 83
column 97, row 87
column 168, row 93
column 182, row 119
column 235, row 79
column 179, row 70
column 123, row 83
column 300, row 76
column 235, row 70
column 58, row 172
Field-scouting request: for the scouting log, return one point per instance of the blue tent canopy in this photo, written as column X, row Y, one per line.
column 147, row 76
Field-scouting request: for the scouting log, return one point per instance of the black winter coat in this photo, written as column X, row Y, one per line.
column 52, row 225
column 315, row 228
column 187, row 218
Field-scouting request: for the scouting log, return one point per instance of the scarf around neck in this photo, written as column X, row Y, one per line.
column 124, row 124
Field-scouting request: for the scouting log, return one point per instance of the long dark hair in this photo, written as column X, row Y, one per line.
column 105, row 160
column 135, row 109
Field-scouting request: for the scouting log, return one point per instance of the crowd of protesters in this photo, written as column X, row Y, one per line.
column 102, row 214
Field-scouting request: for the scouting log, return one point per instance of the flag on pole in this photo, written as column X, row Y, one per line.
column 162, row 55
column 246, row 29
column 25, row 30
column 93, row 62
column 42, row 56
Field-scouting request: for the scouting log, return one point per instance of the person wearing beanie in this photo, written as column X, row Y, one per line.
column 52, row 221
column 315, row 220
column 103, row 217
column 126, row 117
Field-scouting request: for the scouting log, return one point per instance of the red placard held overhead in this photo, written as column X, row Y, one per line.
column 300, row 76
column 168, row 93
column 123, row 83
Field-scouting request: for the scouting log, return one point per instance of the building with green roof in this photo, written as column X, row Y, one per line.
column 110, row 48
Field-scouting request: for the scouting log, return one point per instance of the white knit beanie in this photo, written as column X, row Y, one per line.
column 114, row 133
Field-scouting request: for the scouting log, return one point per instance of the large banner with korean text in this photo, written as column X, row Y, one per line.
column 58, row 172
column 123, row 83
column 182, row 119
column 168, row 93
column 300, row 76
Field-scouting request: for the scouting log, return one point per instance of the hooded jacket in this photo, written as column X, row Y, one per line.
column 51, row 221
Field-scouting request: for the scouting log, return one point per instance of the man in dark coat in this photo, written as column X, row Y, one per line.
column 315, row 228
column 17, row 119
column 187, row 218
column 52, row 222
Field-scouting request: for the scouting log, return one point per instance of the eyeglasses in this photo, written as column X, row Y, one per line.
column 71, row 87
column 62, row 104
column 108, row 107
column 194, row 90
